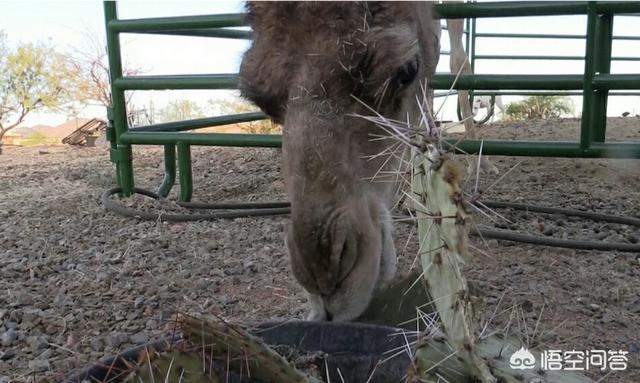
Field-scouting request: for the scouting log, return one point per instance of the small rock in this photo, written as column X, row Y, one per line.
column 139, row 338
column 16, row 316
column 51, row 329
column 202, row 284
column 251, row 266
column 37, row 343
column 622, row 339
column 548, row 231
column 633, row 347
column 115, row 340
column 62, row 300
column 7, row 354
column 39, row 365
column 138, row 302
column 96, row 344
column 594, row 307
column 72, row 340
column 46, row 354
column 501, row 225
column 9, row 337
column 151, row 324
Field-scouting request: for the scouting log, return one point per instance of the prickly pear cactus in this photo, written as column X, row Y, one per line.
column 442, row 227
column 242, row 349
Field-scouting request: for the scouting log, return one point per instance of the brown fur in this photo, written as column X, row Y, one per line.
column 310, row 68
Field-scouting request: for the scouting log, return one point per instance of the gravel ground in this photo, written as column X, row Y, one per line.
column 78, row 283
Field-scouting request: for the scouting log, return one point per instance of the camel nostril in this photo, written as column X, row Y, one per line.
column 328, row 316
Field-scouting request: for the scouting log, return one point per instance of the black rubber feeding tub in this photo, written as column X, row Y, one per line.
column 356, row 350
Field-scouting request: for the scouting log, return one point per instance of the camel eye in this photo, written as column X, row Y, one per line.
column 407, row 73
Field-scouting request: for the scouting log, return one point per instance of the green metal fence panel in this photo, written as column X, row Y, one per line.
column 203, row 139
column 200, row 123
column 120, row 153
column 596, row 85
column 191, row 81
column 160, row 24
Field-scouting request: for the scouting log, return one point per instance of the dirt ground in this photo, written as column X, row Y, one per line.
column 78, row 283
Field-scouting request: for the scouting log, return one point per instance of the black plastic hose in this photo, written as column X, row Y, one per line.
column 256, row 209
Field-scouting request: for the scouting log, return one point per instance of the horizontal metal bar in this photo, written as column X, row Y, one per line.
column 202, row 139
column 179, row 22
column 617, row 7
column 625, row 58
column 635, row 38
column 526, row 93
column 528, row 36
column 199, row 123
column 544, row 57
column 544, row 36
column 616, row 81
column 549, row 149
column 440, row 81
column 531, row 8
column 489, row 147
column 527, row 57
column 207, row 32
column 624, row 93
column 543, row 93
column 534, row 82
column 520, row 82
column 194, row 81
column 510, row 9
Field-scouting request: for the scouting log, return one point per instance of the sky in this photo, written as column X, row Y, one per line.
column 66, row 24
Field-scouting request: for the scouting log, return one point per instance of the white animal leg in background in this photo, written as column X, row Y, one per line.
column 458, row 59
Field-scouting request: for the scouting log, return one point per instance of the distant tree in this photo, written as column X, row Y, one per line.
column 32, row 77
column 539, row 107
column 254, row 127
column 179, row 110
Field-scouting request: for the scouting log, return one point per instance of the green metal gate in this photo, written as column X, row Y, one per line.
column 595, row 85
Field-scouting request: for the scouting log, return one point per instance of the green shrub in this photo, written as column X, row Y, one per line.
column 38, row 138
column 539, row 107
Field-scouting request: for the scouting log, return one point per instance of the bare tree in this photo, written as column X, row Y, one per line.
column 92, row 63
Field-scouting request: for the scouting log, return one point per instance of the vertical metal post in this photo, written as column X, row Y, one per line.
column 589, row 71
column 121, row 153
column 184, row 166
column 472, row 52
column 113, row 145
column 169, row 170
column 602, row 64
